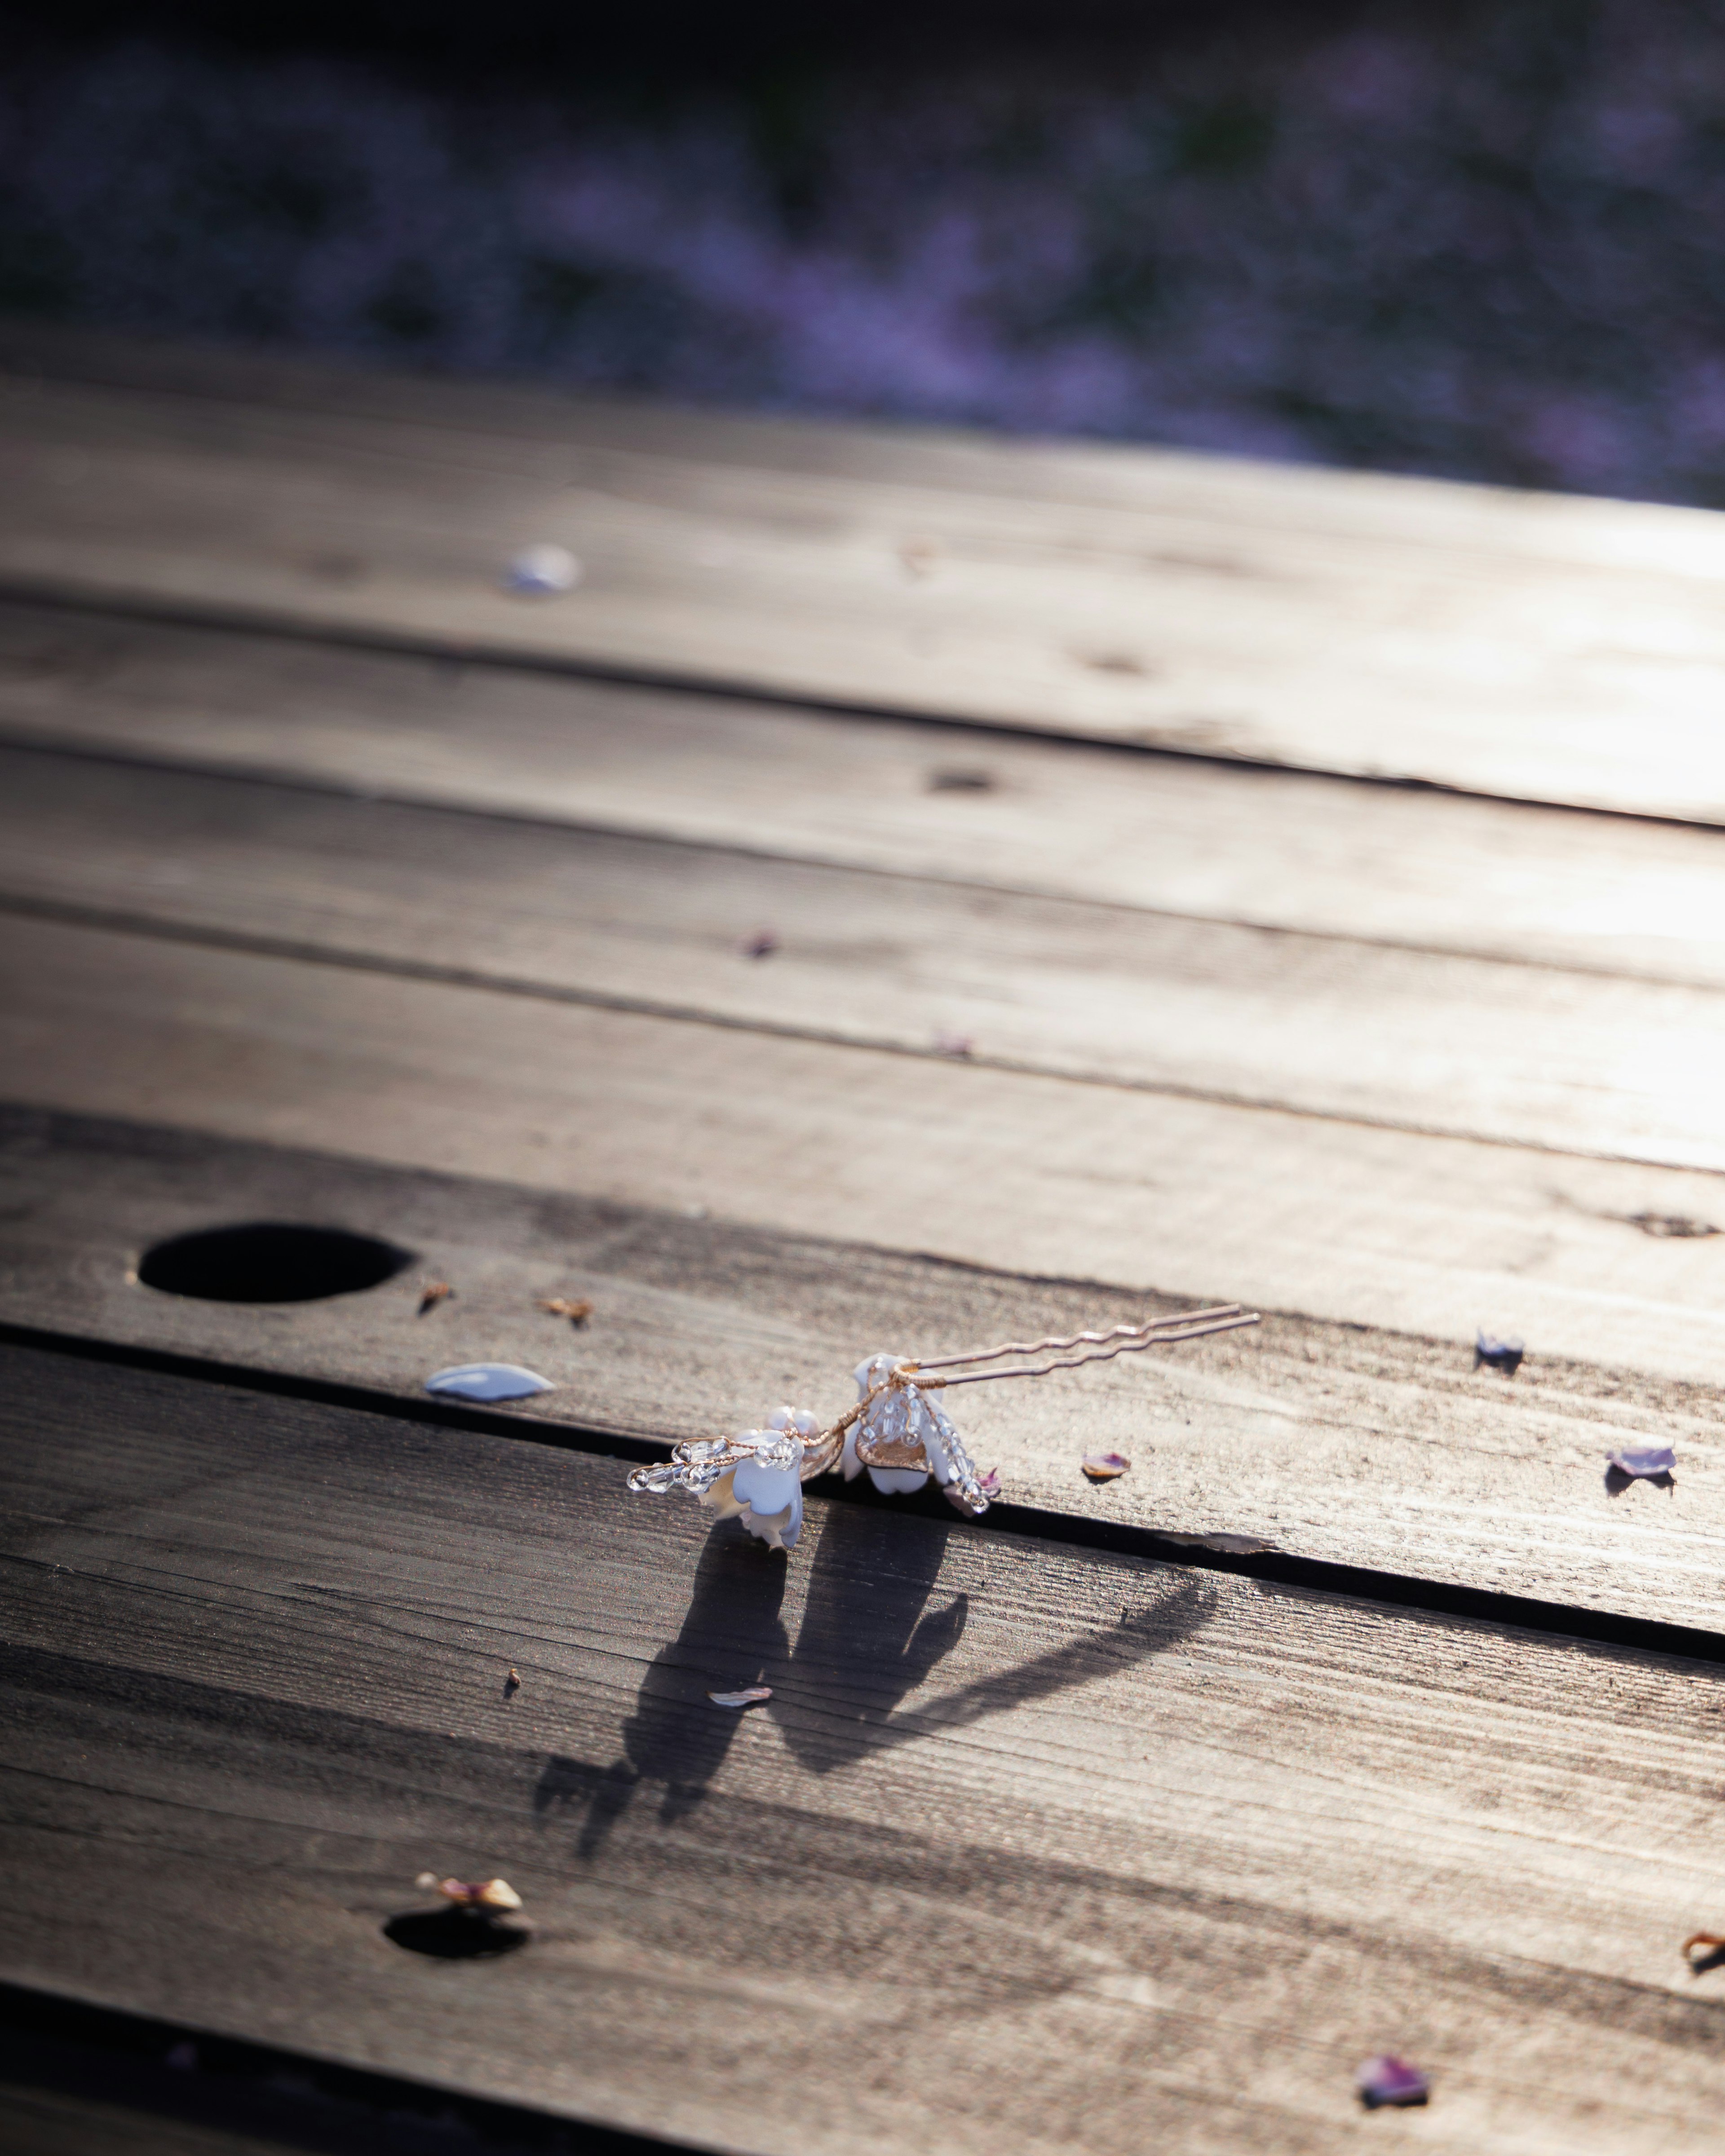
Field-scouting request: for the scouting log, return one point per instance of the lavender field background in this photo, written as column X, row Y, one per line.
column 1487, row 243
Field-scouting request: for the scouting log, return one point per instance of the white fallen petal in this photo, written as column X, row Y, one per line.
column 488, row 1381
column 1644, row 1459
column 752, row 1698
column 542, row 571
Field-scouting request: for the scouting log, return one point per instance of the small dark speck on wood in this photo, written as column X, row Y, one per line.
column 760, row 945
column 1504, row 1355
column 432, row 1293
column 1674, row 1225
column 961, row 782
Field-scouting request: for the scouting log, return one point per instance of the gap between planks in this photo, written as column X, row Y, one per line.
column 1025, row 1839
column 1029, row 1175
column 1278, row 850
column 1564, row 1063
column 1534, row 648
column 1330, row 1444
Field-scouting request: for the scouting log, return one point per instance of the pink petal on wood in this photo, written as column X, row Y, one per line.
column 1104, row 1467
column 1388, row 2080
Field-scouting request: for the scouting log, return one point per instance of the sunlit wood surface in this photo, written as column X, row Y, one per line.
column 1096, row 966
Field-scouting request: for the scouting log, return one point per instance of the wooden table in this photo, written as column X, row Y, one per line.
column 1171, row 881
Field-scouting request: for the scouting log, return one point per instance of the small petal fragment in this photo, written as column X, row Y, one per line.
column 472, row 1893
column 752, row 1698
column 1634, row 1460
column 1390, row 2080
column 542, row 571
column 1490, row 1353
column 1104, row 1467
column 488, row 1381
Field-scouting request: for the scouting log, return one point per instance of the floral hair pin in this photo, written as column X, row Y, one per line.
column 897, row 1431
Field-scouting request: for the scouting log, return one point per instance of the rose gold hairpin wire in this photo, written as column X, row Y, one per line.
column 698, row 1464
column 1155, row 1331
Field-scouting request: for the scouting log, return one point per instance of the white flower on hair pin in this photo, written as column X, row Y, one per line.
column 896, row 1431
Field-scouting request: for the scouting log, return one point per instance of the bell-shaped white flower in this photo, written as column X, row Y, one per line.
column 888, row 1420
column 765, row 1492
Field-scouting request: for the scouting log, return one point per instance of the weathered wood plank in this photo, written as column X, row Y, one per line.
column 1329, row 1441
column 1533, row 1055
column 1540, row 648
column 1416, row 1234
column 1261, row 848
column 1025, row 1843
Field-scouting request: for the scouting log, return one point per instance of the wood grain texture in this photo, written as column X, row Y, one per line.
column 1174, row 835
column 1024, row 1844
column 1562, row 1061
column 1329, row 1441
column 1539, row 647
column 1415, row 1233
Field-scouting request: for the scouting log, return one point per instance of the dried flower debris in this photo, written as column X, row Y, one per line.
column 1104, row 1467
column 494, row 1895
column 1649, row 1461
column 1713, row 1946
column 575, row 1308
column 432, row 1293
column 512, row 1682
column 1490, row 1353
column 752, row 1698
column 1389, row 2081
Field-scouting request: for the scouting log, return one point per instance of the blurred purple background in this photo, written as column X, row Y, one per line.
column 1487, row 243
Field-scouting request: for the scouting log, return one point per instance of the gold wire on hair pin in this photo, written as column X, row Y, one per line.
column 895, row 1431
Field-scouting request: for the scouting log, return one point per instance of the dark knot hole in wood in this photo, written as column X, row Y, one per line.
column 452, row 1934
column 269, row 1261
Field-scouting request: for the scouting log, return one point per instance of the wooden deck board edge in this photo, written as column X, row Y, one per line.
column 47, row 2018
